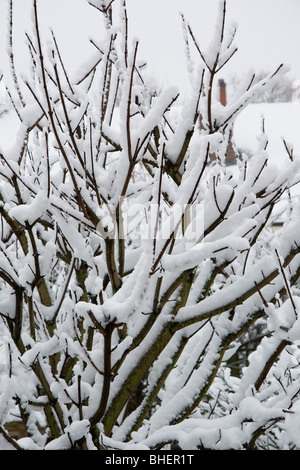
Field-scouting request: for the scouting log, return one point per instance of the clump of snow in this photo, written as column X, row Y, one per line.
column 31, row 212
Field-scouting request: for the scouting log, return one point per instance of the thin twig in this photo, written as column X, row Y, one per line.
column 286, row 284
column 11, row 55
column 61, row 62
column 158, row 199
column 289, row 152
column 9, row 439
column 197, row 47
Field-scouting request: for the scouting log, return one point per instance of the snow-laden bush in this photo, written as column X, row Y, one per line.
column 134, row 262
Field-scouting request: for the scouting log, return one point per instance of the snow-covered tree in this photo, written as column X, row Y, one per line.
column 283, row 91
column 134, row 262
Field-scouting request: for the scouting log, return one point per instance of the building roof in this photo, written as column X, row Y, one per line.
column 281, row 123
column 282, row 127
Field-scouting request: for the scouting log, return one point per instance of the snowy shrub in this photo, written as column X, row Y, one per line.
column 135, row 263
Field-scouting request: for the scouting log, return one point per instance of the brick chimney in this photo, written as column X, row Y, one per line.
column 223, row 98
column 230, row 154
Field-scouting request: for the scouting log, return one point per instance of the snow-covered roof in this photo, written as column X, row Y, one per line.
column 282, row 127
column 281, row 122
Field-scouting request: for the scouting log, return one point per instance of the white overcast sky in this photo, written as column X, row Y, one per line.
column 268, row 32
